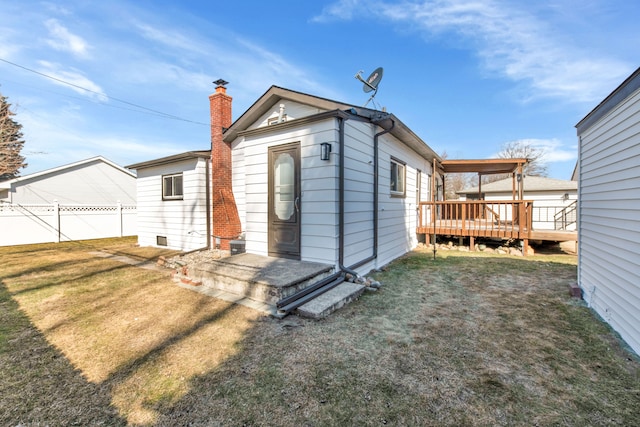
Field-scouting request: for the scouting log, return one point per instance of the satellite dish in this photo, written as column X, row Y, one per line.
column 371, row 83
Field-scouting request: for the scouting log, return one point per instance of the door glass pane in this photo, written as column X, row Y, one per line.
column 284, row 187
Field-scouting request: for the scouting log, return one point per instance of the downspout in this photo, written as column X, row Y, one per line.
column 374, row 255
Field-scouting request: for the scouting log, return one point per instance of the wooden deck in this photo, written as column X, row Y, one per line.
column 491, row 219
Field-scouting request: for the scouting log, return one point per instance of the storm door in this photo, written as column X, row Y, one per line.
column 284, row 201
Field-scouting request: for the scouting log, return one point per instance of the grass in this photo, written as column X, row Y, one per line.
column 465, row 339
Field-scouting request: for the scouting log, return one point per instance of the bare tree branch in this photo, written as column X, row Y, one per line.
column 522, row 149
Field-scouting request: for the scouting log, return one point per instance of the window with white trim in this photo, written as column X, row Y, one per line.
column 397, row 177
column 172, row 187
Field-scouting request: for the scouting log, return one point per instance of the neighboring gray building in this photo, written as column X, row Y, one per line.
column 94, row 181
column 553, row 199
column 609, row 209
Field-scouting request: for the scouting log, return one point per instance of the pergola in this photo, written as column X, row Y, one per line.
column 484, row 167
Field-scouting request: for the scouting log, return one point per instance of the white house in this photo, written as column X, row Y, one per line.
column 174, row 201
column 317, row 180
column 553, row 199
column 90, row 199
column 94, row 181
column 609, row 209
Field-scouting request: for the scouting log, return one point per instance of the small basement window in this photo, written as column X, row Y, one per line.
column 397, row 178
column 172, row 187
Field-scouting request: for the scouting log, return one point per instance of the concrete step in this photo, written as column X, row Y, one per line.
column 331, row 300
column 260, row 278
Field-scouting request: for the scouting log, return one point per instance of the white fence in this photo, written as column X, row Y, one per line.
column 27, row 224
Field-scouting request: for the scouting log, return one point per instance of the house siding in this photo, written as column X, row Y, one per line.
column 95, row 182
column 182, row 222
column 250, row 176
column 320, row 191
column 398, row 215
column 609, row 216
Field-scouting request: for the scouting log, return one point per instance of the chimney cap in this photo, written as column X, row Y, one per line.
column 220, row 82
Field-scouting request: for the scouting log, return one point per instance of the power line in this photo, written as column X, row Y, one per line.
column 170, row 116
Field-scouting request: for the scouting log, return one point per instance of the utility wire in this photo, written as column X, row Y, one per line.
column 170, row 116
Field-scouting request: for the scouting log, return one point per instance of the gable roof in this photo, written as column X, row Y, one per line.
column 531, row 183
column 44, row 173
column 275, row 94
column 172, row 159
column 626, row 88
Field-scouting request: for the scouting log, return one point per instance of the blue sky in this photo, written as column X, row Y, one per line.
column 466, row 76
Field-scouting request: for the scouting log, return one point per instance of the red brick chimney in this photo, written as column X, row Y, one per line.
column 226, row 222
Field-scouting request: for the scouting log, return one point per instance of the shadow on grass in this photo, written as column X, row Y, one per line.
column 117, row 387
column 461, row 340
column 38, row 385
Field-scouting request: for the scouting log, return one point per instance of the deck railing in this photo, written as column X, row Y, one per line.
column 476, row 218
column 566, row 217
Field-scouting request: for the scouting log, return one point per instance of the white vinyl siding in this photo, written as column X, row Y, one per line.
column 183, row 222
column 358, row 215
column 320, row 189
column 609, row 217
column 398, row 216
column 94, row 182
column 318, row 185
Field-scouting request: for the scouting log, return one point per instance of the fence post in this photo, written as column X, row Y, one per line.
column 56, row 222
column 119, row 217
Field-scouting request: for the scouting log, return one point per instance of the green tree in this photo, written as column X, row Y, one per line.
column 11, row 142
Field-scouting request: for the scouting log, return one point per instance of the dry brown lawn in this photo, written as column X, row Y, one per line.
column 465, row 339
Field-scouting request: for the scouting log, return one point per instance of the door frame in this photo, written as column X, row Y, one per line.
column 293, row 224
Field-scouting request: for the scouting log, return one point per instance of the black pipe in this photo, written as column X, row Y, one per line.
column 374, row 255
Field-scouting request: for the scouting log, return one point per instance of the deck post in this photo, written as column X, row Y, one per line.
column 472, row 244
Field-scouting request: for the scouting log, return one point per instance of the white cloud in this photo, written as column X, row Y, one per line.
column 73, row 79
column 341, row 10
column 517, row 42
column 553, row 149
column 62, row 39
column 62, row 136
column 185, row 55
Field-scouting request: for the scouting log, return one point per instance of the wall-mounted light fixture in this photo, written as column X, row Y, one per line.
column 325, row 150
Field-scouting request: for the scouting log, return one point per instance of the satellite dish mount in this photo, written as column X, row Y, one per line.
column 371, row 83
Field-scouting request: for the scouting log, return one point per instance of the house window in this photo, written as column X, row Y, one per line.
column 397, row 178
column 172, row 187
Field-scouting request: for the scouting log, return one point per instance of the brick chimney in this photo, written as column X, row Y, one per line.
column 226, row 222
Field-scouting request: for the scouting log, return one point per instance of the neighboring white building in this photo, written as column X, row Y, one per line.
column 324, row 181
column 173, row 201
column 553, row 199
column 609, row 209
column 94, row 181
